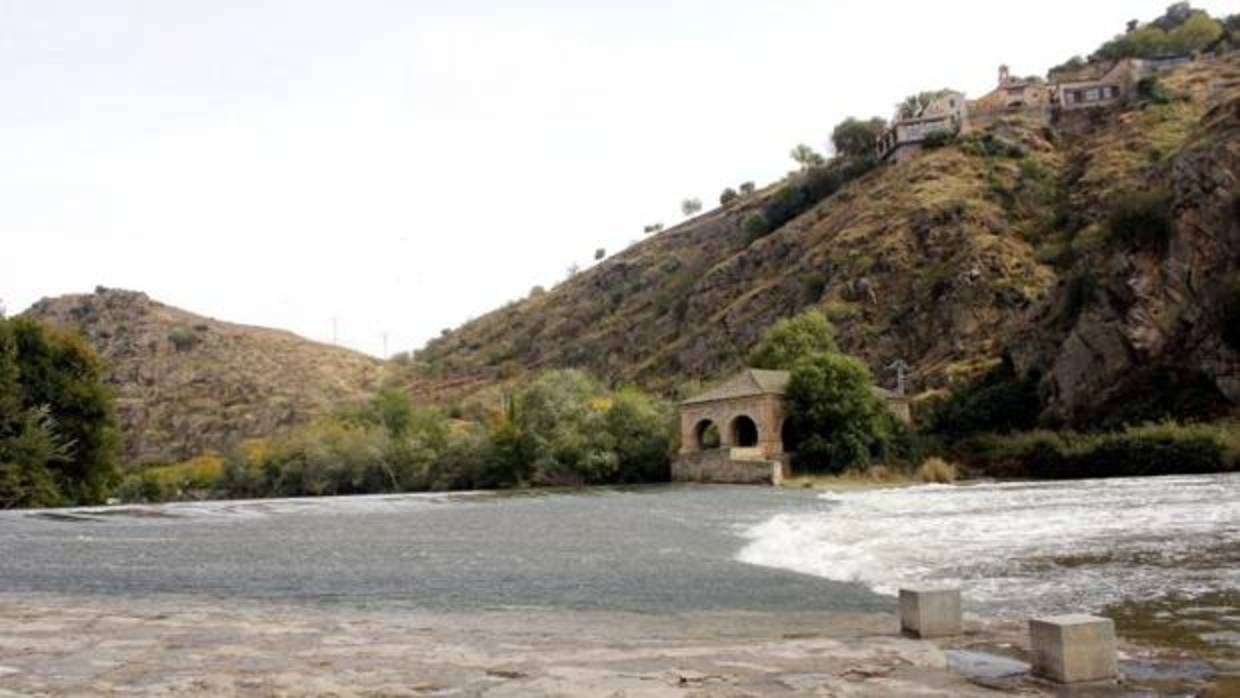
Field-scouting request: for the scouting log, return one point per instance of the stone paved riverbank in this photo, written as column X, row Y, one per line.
column 94, row 646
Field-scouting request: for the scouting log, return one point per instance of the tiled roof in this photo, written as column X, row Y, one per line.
column 753, row 381
column 747, row 383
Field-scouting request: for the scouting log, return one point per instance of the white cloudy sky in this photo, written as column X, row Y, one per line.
column 402, row 166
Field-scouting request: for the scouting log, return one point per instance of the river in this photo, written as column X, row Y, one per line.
column 1016, row 549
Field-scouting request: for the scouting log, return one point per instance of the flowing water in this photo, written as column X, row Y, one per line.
column 1156, row 552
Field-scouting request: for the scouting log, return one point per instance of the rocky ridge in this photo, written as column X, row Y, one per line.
column 187, row 384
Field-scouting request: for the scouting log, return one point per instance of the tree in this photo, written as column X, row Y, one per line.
column 856, row 138
column 572, row 270
column 748, row 188
column 792, row 339
column 806, row 157
column 1181, row 29
column 1197, row 32
column 831, row 402
column 653, row 228
column 599, row 254
column 691, row 206
column 728, row 196
column 57, row 431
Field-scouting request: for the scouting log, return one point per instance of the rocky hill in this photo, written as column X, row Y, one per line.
column 187, row 384
column 996, row 244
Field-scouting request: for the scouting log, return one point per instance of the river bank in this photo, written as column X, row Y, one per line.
column 614, row 590
column 58, row 645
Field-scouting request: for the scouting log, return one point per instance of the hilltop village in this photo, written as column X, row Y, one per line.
column 1089, row 86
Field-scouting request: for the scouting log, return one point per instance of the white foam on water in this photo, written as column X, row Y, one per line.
column 1020, row 548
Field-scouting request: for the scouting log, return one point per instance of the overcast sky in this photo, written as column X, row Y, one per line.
column 403, row 166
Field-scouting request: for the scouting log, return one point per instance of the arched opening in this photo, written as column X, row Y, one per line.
column 744, row 432
column 707, row 435
column 790, row 436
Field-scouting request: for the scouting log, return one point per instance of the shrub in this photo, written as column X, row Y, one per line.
column 806, row 157
column 755, row 226
column 792, row 339
column 728, row 196
column 813, row 285
column 991, row 146
column 1000, row 402
column 599, row 254
column 182, row 339
column 937, row 470
column 690, row 206
column 748, row 188
column 856, row 138
column 1081, row 291
column 938, row 138
column 1141, row 218
column 1151, row 91
column 1231, row 315
column 1151, row 449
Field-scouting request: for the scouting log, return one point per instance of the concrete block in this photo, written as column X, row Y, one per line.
column 930, row 612
column 1073, row 648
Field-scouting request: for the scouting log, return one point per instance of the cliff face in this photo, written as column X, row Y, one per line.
column 1148, row 319
column 186, row 384
column 947, row 261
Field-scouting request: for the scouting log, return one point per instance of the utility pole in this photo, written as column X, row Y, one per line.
column 901, row 368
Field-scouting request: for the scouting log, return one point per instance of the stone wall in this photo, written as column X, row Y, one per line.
column 767, row 412
column 717, row 466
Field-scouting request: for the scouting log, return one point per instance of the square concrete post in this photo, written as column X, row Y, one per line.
column 1073, row 648
column 930, row 612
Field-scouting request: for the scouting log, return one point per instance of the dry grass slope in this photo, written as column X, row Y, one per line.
column 187, row 384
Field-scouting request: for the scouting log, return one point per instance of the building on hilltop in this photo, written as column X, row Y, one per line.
column 1013, row 94
column 1091, row 86
column 737, row 431
column 1103, row 86
column 948, row 112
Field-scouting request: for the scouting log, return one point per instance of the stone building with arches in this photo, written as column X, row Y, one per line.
column 736, row 432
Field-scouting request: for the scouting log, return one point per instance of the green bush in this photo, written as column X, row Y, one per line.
column 1000, row 401
column 562, row 428
column 1180, row 30
column 1141, row 219
column 938, row 138
column 1231, row 315
column 1151, row 91
column 728, row 196
column 792, row 339
column 182, row 339
column 855, row 138
column 991, row 146
column 813, row 285
column 802, row 191
column 1081, row 291
column 58, row 435
column 1151, row 449
column 830, row 401
column 755, row 226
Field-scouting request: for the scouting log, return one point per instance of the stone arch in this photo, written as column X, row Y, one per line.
column 706, row 435
column 744, row 431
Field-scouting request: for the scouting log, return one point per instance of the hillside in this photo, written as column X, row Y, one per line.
column 187, row 384
column 948, row 261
